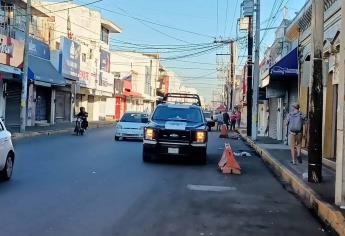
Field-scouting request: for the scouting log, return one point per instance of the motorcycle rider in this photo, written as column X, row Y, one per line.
column 83, row 115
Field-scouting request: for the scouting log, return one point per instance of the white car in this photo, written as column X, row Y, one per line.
column 6, row 153
column 131, row 125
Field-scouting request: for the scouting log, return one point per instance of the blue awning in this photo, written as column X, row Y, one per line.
column 287, row 66
column 43, row 71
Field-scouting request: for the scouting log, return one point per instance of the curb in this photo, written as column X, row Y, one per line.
column 325, row 211
column 18, row 136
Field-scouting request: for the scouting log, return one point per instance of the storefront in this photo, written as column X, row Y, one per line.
column 44, row 79
column 282, row 92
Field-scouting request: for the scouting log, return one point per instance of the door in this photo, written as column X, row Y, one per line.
column 334, row 127
column 117, row 108
column 62, row 106
column 43, row 97
column 90, row 101
column 102, row 108
column 273, row 107
column 12, row 110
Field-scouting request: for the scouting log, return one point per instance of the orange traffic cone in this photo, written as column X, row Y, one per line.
column 223, row 132
column 228, row 163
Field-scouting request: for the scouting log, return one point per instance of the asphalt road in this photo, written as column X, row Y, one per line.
column 92, row 185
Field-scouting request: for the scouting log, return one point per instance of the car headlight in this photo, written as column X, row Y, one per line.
column 119, row 126
column 200, row 136
column 149, row 134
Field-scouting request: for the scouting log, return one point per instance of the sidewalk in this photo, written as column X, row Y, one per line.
column 58, row 128
column 317, row 197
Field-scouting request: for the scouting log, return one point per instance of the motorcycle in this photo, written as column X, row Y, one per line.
column 79, row 130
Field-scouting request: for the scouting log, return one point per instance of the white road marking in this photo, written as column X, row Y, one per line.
column 210, row 188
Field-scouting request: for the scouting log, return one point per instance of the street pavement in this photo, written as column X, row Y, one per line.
column 92, row 185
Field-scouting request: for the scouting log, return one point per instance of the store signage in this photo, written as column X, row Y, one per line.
column 11, row 51
column 105, row 60
column 70, row 58
column 106, row 82
column 39, row 49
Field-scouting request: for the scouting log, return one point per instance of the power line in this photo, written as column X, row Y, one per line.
column 233, row 18
column 226, row 16
column 154, row 23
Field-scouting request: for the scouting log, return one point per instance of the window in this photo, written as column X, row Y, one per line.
column 104, row 35
column 83, row 57
column 134, row 118
column 90, row 54
column 177, row 114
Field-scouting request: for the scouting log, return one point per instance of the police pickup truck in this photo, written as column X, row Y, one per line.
column 177, row 128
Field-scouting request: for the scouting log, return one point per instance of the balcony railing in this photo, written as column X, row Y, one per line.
column 12, row 20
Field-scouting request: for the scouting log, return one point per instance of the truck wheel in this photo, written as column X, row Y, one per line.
column 202, row 157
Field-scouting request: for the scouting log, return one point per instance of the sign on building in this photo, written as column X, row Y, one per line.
column 70, row 58
column 248, row 8
column 105, row 60
column 11, row 51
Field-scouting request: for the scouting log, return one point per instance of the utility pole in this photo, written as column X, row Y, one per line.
column 232, row 77
column 256, row 76
column 250, row 76
column 24, row 94
column 316, row 94
column 340, row 158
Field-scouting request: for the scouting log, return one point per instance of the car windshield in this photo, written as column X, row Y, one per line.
column 189, row 114
column 207, row 114
column 134, row 118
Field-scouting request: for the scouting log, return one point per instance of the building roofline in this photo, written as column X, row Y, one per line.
column 110, row 26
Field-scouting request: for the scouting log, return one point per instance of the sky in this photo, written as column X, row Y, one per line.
column 160, row 26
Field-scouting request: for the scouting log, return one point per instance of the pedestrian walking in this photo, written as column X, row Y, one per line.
column 233, row 121
column 219, row 118
column 295, row 122
column 238, row 118
column 226, row 119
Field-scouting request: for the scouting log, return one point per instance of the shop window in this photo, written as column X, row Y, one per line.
column 104, row 35
column 90, row 54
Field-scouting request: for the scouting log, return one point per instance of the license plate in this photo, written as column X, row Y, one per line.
column 173, row 150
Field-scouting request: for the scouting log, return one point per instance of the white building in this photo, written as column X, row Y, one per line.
column 94, row 86
column 141, row 73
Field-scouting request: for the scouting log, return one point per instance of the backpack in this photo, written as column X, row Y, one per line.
column 296, row 122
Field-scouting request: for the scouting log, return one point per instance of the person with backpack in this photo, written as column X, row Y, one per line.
column 295, row 123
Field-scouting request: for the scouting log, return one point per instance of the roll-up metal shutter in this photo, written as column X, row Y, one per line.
column 90, row 101
column 12, row 110
column 62, row 106
column 273, row 106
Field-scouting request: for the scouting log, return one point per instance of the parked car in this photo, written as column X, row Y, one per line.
column 209, row 119
column 131, row 125
column 177, row 130
column 6, row 153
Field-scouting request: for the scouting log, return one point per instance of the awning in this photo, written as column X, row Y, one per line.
column 42, row 70
column 287, row 66
column 131, row 94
